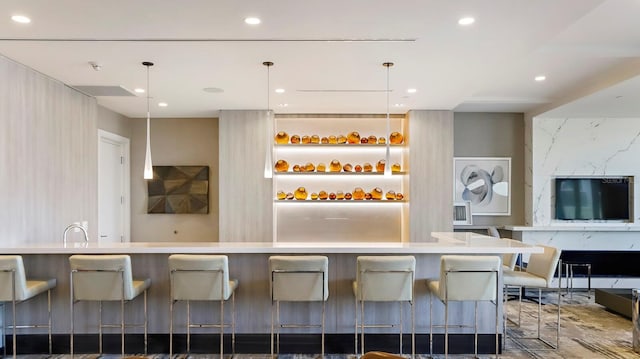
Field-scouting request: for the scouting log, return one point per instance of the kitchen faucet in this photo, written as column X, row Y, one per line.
column 72, row 226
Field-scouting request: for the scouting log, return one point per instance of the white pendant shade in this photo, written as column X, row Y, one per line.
column 268, row 161
column 148, row 164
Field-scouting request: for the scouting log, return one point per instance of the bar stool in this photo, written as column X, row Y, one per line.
column 201, row 277
column 106, row 278
column 568, row 269
column 15, row 288
column 297, row 279
column 384, row 279
column 465, row 278
column 538, row 274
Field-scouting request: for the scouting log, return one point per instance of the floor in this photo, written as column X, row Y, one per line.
column 587, row 331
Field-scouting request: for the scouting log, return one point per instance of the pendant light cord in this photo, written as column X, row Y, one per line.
column 268, row 163
column 387, row 165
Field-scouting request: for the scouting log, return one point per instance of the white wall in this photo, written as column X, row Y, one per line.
column 580, row 147
column 48, row 157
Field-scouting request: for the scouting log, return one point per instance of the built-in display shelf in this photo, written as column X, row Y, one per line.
column 289, row 173
column 340, row 201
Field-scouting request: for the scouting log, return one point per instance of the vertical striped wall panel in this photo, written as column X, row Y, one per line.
column 245, row 198
column 48, row 156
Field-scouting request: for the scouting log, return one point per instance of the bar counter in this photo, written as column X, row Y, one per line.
column 438, row 243
column 248, row 262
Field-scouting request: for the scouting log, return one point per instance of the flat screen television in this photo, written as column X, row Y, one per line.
column 603, row 198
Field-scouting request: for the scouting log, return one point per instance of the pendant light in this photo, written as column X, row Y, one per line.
column 268, row 161
column 387, row 157
column 148, row 165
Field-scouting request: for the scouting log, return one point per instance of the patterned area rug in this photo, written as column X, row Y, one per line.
column 588, row 331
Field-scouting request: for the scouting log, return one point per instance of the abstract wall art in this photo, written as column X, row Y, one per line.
column 179, row 189
column 485, row 182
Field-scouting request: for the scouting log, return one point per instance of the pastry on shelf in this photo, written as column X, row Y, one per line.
column 332, row 195
column 335, row 166
column 296, row 168
column 315, row 139
column 289, row 195
column 309, row 167
column 342, row 140
column 367, row 167
column 323, row 195
column 295, row 139
column 324, row 140
column 348, row 195
column 301, row 193
column 333, row 140
column 357, row 168
column 314, row 196
column 364, row 140
column 399, row 196
column 395, row 167
column 358, row 193
column 282, row 138
column 382, row 141
column 395, row 138
column 305, row 140
column 321, row 167
column 380, row 166
column 339, row 195
column 282, row 166
column 376, row 193
column 347, row 167
column 353, row 137
column 391, row 195
column 373, row 140
column 281, row 195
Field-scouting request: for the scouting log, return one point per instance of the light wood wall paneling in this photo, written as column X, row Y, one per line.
column 245, row 199
column 431, row 165
column 48, row 156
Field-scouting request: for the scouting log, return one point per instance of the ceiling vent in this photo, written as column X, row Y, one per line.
column 95, row 91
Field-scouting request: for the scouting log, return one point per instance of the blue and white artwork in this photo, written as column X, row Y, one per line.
column 485, row 182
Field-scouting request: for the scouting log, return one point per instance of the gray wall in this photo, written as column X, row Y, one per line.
column 183, row 141
column 114, row 122
column 494, row 135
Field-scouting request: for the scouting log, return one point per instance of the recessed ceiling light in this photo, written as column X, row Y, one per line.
column 283, row 105
column 252, row 20
column 540, row 78
column 279, row 90
column 466, row 21
column 139, row 90
column 412, row 90
column 213, row 90
column 163, row 104
column 399, row 105
column 21, row 19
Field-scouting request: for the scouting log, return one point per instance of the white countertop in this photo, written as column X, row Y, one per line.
column 577, row 227
column 438, row 243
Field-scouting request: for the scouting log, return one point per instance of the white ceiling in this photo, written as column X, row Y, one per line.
column 488, row 66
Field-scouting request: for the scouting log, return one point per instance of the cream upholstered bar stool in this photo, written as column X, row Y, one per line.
column 297, row 279
column 15, row 288
column 538, row 275
column 465, row 278
column 384, row 279
column 202, row 277
column 105, row 278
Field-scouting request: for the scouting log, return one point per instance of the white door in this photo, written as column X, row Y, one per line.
column 113, row 187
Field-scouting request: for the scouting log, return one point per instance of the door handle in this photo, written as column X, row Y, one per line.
column 103, row 236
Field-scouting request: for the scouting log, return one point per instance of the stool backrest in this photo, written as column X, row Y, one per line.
column 199, row 277
column 465, row 277
column 385, row 278
column 299, row 278
column 544, row 264
column 101, row 277
column 509, row 260
column 8, row 265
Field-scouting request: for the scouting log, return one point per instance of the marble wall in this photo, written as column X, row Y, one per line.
column 577, row 147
